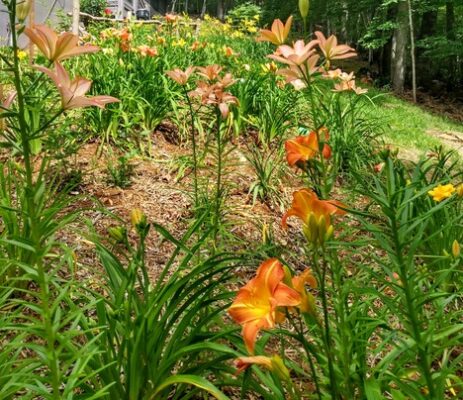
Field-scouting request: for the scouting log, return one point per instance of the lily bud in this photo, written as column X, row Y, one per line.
column 456, row 249
column 279, row 368
column 304, row 8
column 23, row 8
column 137, row 217
column 118, row 233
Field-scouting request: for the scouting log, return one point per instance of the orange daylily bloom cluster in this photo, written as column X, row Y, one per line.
column 60, row 47
column 57, row 47
column 256, row 306
column 278, row 33
column 125, row 37
column 73, row 91
column 304, row 148
column 315, row 214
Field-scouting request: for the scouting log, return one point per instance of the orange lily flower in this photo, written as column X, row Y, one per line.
column 306, row 202
column 278, row 33
column 295, row 55
column 73, row 91
column 331, row 50
column 348, row 84
column 304, row 148
column 179, row 76
column 256, row 305
column 57, row 47
column 314, row 213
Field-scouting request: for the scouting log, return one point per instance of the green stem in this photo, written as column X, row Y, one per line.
column 193, row 141
column 218, row 192
column 413, row 317
column 321, row 272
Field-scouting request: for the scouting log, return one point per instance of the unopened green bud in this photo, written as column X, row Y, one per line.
column 304, row 8
column 118, row 233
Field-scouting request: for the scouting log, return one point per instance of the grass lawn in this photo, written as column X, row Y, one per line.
column 412, row 128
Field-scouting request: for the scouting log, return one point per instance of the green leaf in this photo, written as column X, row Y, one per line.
column 193, row 380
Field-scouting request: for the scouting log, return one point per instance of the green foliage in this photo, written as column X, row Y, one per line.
column 243, row 12
column 93, row 7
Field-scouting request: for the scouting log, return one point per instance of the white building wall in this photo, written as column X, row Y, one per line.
column 45, row 10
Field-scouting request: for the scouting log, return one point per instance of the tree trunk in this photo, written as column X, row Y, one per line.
column 203, row 9
column 399, row 47
column 412, row 48
column 220, row 9
column 75, row 16
column 450, row 32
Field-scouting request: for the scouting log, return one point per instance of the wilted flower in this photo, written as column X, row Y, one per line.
column 460, row 190
column 179, row 76
column 5, row 103
column 307, row 300
column 256, row 305
column 442, row 192
column 315, row 215
column 57, row 47
column 295, row 55
column 331, row 50
column 303, row 148
column 73, row 91
column 274, row 364
column 278, row 33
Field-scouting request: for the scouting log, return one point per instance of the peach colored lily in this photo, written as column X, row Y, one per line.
column 256, row 305
column 304, row 148
column 179, row 76
column 278, row 33
column 331, row 50
column 57, row 47
column 295, row 55
column 146, row 51
column 214, row 93
column 211, row 72
column 73, row 91
column 348, row 83
column 298, row 76
column 305, row 203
